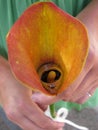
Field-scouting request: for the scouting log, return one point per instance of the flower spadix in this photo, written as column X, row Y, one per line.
column 47, row 48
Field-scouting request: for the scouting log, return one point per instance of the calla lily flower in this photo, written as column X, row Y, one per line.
column 47, row 48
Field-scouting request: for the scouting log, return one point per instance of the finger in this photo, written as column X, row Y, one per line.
column 85, row 86
column 36, row 115
column 67, row 94
column 89, row 77
column 22, row 121
column 24, row 113
column 38, row 99
column 60, row 129
column 84, row 98
column 26, row 124
column 86, row 95
column 43, row 99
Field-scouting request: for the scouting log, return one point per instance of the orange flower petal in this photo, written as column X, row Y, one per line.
column 46, row 34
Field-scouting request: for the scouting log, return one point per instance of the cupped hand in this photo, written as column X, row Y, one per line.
column 18, row 105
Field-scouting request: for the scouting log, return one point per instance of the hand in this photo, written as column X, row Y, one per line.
column 87, row 82
column 18, row 105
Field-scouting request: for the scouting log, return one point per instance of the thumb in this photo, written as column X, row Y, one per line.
column 43, row 99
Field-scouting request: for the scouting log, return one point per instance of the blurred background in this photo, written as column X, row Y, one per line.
column 87, row 117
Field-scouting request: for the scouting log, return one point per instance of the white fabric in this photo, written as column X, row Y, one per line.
column 61, row 115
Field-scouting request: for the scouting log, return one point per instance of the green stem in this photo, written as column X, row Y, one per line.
column 52, row 110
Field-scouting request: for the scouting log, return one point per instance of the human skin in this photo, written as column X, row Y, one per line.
column 87, row 81
column 27, row 109
column 18, row 105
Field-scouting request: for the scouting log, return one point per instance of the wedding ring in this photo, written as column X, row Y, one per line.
column 89, row 94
